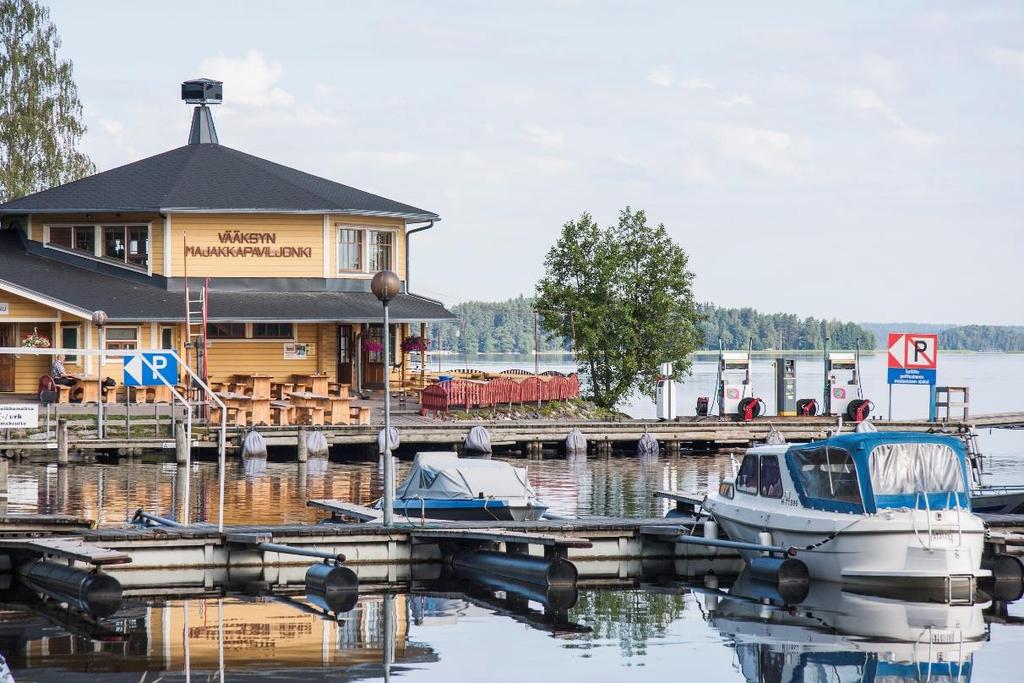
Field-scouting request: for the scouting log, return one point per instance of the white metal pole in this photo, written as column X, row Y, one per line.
column 389, row 477
column 99, row 387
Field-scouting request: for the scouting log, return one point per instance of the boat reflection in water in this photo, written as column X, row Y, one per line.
column 839, row 636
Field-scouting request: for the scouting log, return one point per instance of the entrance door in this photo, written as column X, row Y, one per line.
column 373, row 356
column 7, row 338
column 346, row 357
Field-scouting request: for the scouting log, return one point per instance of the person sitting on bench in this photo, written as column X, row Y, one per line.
column 59, row 374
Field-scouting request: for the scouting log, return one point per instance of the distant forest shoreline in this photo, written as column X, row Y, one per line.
column 508, row 327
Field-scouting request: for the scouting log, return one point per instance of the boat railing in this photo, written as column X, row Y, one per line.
column 928, row 520
column 959, row 519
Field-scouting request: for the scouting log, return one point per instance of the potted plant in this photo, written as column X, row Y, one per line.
column 414, row 344
column 35, row 340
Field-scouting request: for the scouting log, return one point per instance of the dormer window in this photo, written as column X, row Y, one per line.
column 123, row 244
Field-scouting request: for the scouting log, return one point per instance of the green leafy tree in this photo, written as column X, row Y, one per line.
column 629, row 293
column 40, row 114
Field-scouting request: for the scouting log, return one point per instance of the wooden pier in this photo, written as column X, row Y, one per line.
column 531, row 436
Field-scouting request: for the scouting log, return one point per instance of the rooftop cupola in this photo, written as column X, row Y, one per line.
column 202, row 92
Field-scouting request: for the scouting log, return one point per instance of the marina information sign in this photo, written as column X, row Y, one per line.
column 139, row 374
column 912, row 358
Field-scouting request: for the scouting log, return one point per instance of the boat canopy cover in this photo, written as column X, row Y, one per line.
column 436, row 475
column 868, row 471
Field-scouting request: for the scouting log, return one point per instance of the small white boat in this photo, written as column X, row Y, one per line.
column 440, row 485
column 873, row 510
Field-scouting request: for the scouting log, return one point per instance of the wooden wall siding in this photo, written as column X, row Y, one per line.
column 303, row 231
column 366, row 222
column 240, row 357
column 20, row 307
column 327, row 349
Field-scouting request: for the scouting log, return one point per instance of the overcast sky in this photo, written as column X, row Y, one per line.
column 862, row 161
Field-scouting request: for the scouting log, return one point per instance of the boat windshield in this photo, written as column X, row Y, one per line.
column 827, row 476
column 902, row 472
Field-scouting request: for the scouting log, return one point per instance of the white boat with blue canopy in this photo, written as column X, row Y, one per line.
column 865, row 509
column 441, row 485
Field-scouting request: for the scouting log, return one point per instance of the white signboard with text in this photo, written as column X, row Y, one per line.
column 19, row 416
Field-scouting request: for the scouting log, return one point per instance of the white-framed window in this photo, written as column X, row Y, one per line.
column 120, row 338
column 126, row 244
column 350, row 249
column 365, row 250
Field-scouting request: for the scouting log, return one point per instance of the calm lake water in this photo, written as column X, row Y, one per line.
column 467, row 633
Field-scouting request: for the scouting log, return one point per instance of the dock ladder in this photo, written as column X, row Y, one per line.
column 196, row 319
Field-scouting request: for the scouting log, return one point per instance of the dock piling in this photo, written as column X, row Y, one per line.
column 302, row 448
column 62, row 442
column 180, row 444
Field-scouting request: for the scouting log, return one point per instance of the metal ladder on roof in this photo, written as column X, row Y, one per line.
column 196, row 319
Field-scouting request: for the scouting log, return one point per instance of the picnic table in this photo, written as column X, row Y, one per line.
column 316, row 381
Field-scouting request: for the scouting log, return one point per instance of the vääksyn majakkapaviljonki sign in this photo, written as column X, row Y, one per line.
column 238, row 244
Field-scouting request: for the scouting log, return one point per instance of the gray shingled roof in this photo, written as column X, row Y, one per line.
column 138, row 298
column 209, row 177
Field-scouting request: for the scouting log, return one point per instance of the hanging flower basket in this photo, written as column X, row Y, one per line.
column 35, row 340
column 414, row 343
column 372, row 346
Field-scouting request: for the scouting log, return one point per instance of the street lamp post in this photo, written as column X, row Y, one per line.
column 385, row 286
column 99, row 319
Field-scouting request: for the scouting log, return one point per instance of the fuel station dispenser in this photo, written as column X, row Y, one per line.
column 735, row 395
column 844, row 398
column 666, row 393
column 785, row 386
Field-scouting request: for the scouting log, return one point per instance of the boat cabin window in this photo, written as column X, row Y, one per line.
column 901, row 468
column 827, row 473
column 771, row 477
column 746, row 478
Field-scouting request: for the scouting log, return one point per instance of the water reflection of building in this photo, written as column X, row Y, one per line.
column 205, row 635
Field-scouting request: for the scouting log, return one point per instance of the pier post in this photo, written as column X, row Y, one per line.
column 672, row 448
column 181, row 485
column 3, row 486
column 180, row 444
column 62, row 441
column 303, row 475
column 301, row 447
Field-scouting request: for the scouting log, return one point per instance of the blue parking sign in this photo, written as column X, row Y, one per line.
column 138, row 373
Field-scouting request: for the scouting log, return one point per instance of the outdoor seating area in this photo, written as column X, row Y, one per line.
column 467, row 389
column 308, row 399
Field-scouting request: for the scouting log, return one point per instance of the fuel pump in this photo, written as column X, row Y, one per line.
column 844, row 394
column 666, row 393
column 734, row 388
column 785, row 386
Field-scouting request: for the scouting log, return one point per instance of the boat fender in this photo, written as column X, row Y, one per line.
column 254, row 446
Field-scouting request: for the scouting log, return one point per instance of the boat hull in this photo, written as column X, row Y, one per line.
column 873, row 552
column 467, row 510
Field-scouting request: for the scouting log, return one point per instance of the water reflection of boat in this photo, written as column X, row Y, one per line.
column 869, row 510
column 440, row 485
column 839, row 636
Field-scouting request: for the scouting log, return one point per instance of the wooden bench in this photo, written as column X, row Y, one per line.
column 282, row 413
column 63, row 394
column 359, row 415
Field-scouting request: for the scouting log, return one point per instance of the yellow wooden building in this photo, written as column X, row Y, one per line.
column 288, row 257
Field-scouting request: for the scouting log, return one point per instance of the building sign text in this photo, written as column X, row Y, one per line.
column 257, row 245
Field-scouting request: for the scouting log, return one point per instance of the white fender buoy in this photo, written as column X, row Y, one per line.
column 647, row 445
column 865, row 427
column 575, row 443
column 478, row 440
column 393, row 440
column 316, row 443
column 254, row 446
column 775, row 437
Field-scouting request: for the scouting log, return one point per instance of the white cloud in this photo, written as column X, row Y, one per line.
column 771, row 151
column 738, row 101
column 694, row 83
column 696, row 171
column 250, row 79
column 882, row 71
column 545, row 137
column 382, row 158
column 1007, row 58
column 661, row 76
column 868, row 100
column 550, row 164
